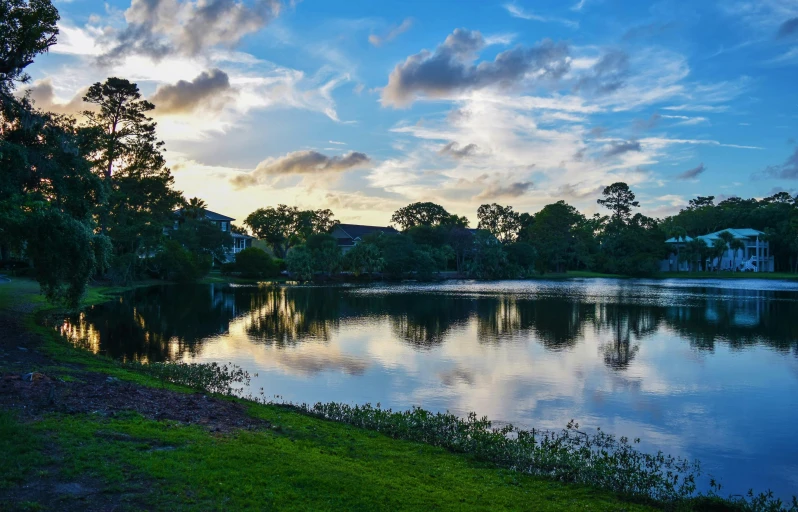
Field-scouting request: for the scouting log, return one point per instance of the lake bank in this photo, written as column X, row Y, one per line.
column 68, row 363
column 129, row 457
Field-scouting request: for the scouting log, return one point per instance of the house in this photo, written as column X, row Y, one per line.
column 754, row 257
column 240, row 242
column 349, row 235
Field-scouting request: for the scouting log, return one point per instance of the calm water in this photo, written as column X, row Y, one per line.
column 704, row 369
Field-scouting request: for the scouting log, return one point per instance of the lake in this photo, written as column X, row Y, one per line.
column 705, row 369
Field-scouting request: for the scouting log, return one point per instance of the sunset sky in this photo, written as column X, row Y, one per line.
column 363, row 107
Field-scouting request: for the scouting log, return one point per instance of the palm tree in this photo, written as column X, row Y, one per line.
column 680, row 234
column 727, row 237
column 736, row 245
column 695, row 251
column 195, row 208
column 719, row 246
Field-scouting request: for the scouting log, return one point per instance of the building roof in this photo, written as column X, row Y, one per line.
column 359, row 231
column 738, row 233
column 210, row 215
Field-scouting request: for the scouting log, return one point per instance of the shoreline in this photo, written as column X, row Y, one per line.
column 101, row 406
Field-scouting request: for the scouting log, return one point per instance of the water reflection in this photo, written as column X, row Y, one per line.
column 702, row 369
column 167, row 322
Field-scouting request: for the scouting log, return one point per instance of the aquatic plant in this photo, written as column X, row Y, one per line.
column 570, row 455
column 227, row 379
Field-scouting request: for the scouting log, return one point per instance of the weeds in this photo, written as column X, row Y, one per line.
column 570, row 455
column 228, row 379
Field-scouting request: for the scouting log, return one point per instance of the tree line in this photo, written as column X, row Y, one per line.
column 509, row 244
column 88, row 196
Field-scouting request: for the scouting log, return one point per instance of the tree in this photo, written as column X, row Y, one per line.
column 300, row 263
column 277, row 226
column 422, row 214
column 311, row 222
column 736, row 245
column 719, row 246
column 47, row 189
column 489, row 261
column 728, row 238
column 194, row 208
column 619, row 199
column 552, row 232
column 121, row 121
column 522, row 255
column 139, row 194
column 201, row 236
column 364, row 258
column 500, row 220
column 286, row 226
column 27, row 29
column 680, row 235
column 325, row 252
column 253, row 262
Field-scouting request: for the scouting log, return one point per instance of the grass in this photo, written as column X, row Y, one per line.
column 788, row 276
column 299, row 463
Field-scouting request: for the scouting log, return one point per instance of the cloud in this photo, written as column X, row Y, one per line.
column 42, row 93
column 207, row 90
column 607, row 75
column 376, row 40
column 693, row 173
column 786, row 171
column 518, row 12
column 788, row 28
column 301, row 162
column 497, row 191
column 455, row 151
column 619, row 148
column 158, row 28
column 450, row 68
column 687, row 120
column 642, row 125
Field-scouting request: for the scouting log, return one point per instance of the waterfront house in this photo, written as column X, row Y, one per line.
column 240, row 242
column 754, row 257
column 349, row 235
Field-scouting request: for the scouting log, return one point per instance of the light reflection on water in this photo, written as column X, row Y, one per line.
column 705, row 369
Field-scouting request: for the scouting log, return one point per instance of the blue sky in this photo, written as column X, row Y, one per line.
column 364, row 107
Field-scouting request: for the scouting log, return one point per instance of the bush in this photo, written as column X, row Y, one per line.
column 209, row 377
column 300, row 263
column 253, row 262
column 178, row 264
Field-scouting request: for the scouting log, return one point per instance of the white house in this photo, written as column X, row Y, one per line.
column 349, row 235
column 754, row 257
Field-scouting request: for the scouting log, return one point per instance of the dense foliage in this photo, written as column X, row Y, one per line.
column 89, row 196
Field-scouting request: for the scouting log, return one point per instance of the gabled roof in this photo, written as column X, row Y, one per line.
column 739, row 233
column 359, row 231
column 210, row 215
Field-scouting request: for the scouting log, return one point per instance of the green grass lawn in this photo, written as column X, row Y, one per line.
column 300, row 463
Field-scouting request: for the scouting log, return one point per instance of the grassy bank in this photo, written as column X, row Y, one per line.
column 63, row 460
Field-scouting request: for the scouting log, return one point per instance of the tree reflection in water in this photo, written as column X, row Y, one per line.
column 167, row 322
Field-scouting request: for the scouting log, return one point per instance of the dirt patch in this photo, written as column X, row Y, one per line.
column 35, row 394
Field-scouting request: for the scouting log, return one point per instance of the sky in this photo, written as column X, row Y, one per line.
column 364, row 107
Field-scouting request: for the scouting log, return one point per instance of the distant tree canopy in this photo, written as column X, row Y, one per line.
column 426, row 214
column 286, row 226
column 501, row 221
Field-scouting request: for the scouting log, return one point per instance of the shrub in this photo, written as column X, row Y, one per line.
column 178, row 264
column 254, row 262
column 300, row 263
column 210, row 377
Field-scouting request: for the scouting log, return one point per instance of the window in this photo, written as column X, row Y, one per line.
column 224, row 226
